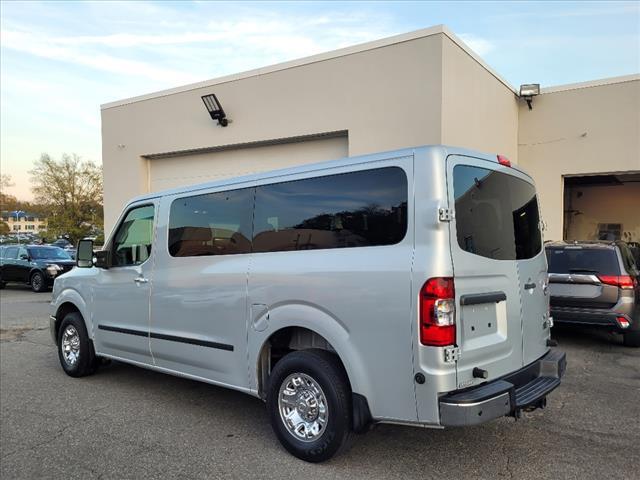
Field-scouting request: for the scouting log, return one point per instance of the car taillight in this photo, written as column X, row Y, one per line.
column 438, row 312
column 622, row 281
column 623, row 322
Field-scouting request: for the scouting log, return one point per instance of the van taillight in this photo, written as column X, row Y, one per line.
column 622, row 281
column 502, row 160
column 437, row 312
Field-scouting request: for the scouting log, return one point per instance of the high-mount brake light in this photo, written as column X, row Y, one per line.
column 438, row 312
column 623, row 281
column 502, row 160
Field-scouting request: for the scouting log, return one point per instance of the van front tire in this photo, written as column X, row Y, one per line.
column 75, row 348
column 309, row 404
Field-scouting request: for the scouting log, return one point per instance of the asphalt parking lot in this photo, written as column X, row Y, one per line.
column 127, row 422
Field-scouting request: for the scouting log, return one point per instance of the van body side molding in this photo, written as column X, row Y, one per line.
column 171, row 338
column 478, row 298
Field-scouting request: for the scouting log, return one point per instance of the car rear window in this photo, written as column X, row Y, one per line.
column 496, row 214
column 583, row 260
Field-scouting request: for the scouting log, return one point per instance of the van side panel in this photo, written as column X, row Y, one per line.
column 199, row 311
column 432, row 259
column 357, row 298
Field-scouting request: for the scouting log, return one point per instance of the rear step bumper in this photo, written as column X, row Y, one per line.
column 509, row 395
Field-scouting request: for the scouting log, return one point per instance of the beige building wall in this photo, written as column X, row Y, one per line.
column 592, row 206
column 384, row 98
column 172, row 172
column 424, row 87
column 383, row 95
column 579, row 129
column 479, row 109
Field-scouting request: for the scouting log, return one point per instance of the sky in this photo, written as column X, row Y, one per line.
column 59, row 61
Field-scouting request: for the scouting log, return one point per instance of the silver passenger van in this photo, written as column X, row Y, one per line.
column 401, row 287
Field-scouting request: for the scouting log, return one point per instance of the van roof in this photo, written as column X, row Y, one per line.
column 318, row 166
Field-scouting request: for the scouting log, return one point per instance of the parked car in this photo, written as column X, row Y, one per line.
column 34, row 265
column 66, row 245
column 595, row 283
column 403, row 287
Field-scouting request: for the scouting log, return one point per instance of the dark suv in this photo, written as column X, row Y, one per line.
column 595, row 283
column 34, row 265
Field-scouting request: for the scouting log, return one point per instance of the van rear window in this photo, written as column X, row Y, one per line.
column 496, row 214
column 583, row 260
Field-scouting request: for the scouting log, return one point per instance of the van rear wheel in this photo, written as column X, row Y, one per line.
column 309, row 404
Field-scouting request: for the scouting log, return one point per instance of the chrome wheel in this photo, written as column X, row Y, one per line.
column 70, row 345
column 303, row 407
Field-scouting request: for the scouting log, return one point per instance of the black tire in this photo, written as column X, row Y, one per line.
column 632, row 339
column 86, row 361
column 325, row 370
column 38, row 282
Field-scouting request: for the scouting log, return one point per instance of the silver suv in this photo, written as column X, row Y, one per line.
column 595, row 283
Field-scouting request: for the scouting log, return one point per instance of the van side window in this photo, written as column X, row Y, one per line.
column 212, row 224
column 358, row 209
column 133, row 239
column 11, row 253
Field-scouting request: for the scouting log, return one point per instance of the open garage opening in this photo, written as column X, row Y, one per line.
column 602, row 207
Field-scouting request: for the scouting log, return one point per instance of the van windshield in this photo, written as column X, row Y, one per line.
column 496, row 214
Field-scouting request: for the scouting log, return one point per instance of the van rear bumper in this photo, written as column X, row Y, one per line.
column 526, row 388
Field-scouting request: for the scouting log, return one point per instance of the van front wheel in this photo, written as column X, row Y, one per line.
column 309, row 404
column 75, row 349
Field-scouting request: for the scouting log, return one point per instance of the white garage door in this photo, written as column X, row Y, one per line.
column 185, row 170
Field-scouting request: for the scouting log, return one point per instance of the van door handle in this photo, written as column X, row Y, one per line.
column 529, row 286
column 140, row 280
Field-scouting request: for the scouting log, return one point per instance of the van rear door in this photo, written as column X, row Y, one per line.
column 496, row 247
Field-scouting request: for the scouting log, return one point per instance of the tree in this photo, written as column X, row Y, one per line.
column 7, row 202
column 70, row 191
column 5, row 181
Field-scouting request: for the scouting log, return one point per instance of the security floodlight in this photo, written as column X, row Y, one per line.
column 528, row 91
column 215, row 109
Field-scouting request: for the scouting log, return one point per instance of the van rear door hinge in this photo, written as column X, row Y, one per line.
column 451, row 354
column 445, row 214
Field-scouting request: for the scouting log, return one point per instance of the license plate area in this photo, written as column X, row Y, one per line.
column 483, row 324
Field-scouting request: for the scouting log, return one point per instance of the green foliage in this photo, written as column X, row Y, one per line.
column 69, row 192
column 4, row 228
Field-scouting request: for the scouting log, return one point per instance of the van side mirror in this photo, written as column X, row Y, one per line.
column 103, row 259
column 24, row 256
column 84, row 254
